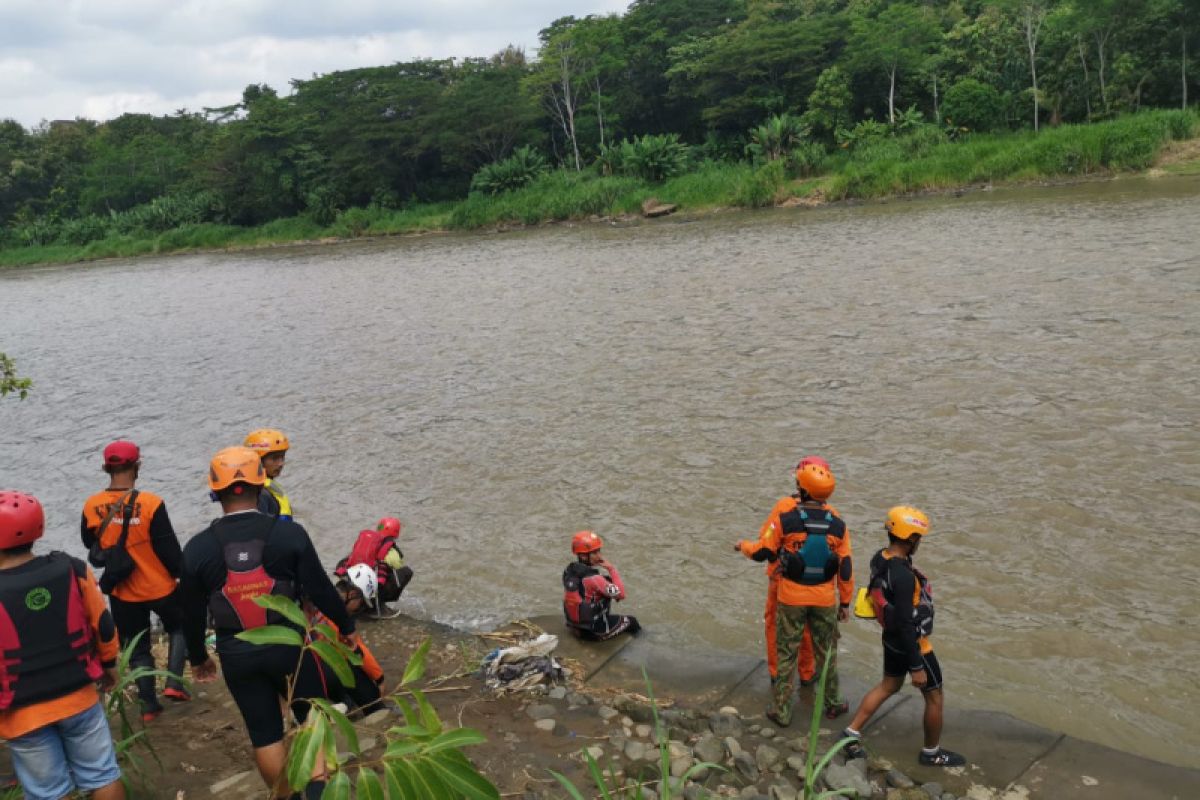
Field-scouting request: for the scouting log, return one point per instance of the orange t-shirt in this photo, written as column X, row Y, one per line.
column 150, row 579
column 19, row 721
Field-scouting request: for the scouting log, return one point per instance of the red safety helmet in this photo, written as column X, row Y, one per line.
column 22, row 520
column 585, row 542
column 389, row 526
column 816, row 480
column 820, row 462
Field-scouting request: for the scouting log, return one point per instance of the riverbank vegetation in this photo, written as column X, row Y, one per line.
column 697, row 103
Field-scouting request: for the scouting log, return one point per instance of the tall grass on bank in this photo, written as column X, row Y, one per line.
column 893, row 167
column 922, row 160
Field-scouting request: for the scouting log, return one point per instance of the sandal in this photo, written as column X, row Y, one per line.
column 836, row 710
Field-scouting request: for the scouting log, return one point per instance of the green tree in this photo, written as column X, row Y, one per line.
column 558, row 80
column 485, row 114
column 974, row 105
column 763, row 66
column 1030, row 16
column 829, row 104
column 896, row 42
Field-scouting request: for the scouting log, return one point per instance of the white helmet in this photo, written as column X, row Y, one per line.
column 366, row 581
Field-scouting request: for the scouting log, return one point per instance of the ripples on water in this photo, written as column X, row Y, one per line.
column 1021, row 366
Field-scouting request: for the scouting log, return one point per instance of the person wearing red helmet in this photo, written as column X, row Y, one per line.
column 136, row 521
column 806, row 664
column 57, row 640
column 588, row 594
column 809, row 545
column 378, row 549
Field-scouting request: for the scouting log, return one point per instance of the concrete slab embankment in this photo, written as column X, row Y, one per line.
column 1024, row 760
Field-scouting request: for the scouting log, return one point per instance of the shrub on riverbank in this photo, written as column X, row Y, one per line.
column 1128, row 143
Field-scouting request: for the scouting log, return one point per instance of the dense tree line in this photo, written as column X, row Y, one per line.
column 715, row 73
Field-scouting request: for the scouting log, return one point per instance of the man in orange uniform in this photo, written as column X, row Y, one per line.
column 138, row 521
column 807, row 664
column 56, row 641
column 811, row 546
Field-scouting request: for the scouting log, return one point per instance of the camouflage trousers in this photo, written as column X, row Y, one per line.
column 789, row 633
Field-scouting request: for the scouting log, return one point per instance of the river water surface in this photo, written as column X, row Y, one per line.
column 1022, row 365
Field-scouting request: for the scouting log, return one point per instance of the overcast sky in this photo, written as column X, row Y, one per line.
column 61, row 59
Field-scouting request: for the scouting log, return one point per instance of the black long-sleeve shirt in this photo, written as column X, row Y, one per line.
column 901, row 633
column 288, row 555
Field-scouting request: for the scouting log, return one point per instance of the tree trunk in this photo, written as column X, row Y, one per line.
column 1034, row 16
column 1087, row 94
column 569, row 104
column 892, row 97
column 599, row 112
column 1183, row 62
column 1101, row 44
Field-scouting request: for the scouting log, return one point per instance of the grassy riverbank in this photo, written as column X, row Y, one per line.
column 922, row 161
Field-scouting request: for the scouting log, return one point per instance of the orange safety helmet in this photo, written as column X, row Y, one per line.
column 235, row 465
column 22, row 519
column 820, row 462
column 265, row 441
column 389, row 526
column 586, row 542
column 816, row 480
column 905, row 521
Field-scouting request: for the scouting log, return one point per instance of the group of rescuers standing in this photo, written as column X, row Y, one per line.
column 59, row 639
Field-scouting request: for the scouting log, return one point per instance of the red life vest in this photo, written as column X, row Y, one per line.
column 233, row 608
column 46, row 647
column 371, row 548
column 580, row 610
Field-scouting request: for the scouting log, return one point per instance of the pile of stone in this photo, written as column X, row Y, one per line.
column 722, row 755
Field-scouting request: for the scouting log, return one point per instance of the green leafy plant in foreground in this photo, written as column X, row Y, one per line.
column 611, row 788
column 812, row 766
column 421, row 760
column 132, row 742
column 9, row 381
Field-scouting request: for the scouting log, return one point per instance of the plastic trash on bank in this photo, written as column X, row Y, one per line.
column 523, row 666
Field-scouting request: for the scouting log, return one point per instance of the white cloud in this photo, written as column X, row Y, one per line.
column 68, row 58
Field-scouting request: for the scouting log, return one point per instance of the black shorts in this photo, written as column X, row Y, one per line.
column 257, row 677
column 895, row 665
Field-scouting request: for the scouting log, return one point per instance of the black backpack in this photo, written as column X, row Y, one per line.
column 115, row 561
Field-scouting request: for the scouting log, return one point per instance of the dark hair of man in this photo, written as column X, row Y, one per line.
column 239, row 489
column 19, row 550
column 117, row 469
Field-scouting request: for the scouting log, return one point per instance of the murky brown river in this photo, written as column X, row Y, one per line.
column 1022, row 365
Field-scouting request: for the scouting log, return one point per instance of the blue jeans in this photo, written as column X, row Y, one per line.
column 73, row 753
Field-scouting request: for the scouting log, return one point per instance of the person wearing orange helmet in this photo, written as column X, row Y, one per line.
column 588, row 594
column 809, row 545
column 57, row 642
column 806, row 664
column 240, row 556
column 142, row 580
column 903, row 604
column 272, row 446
